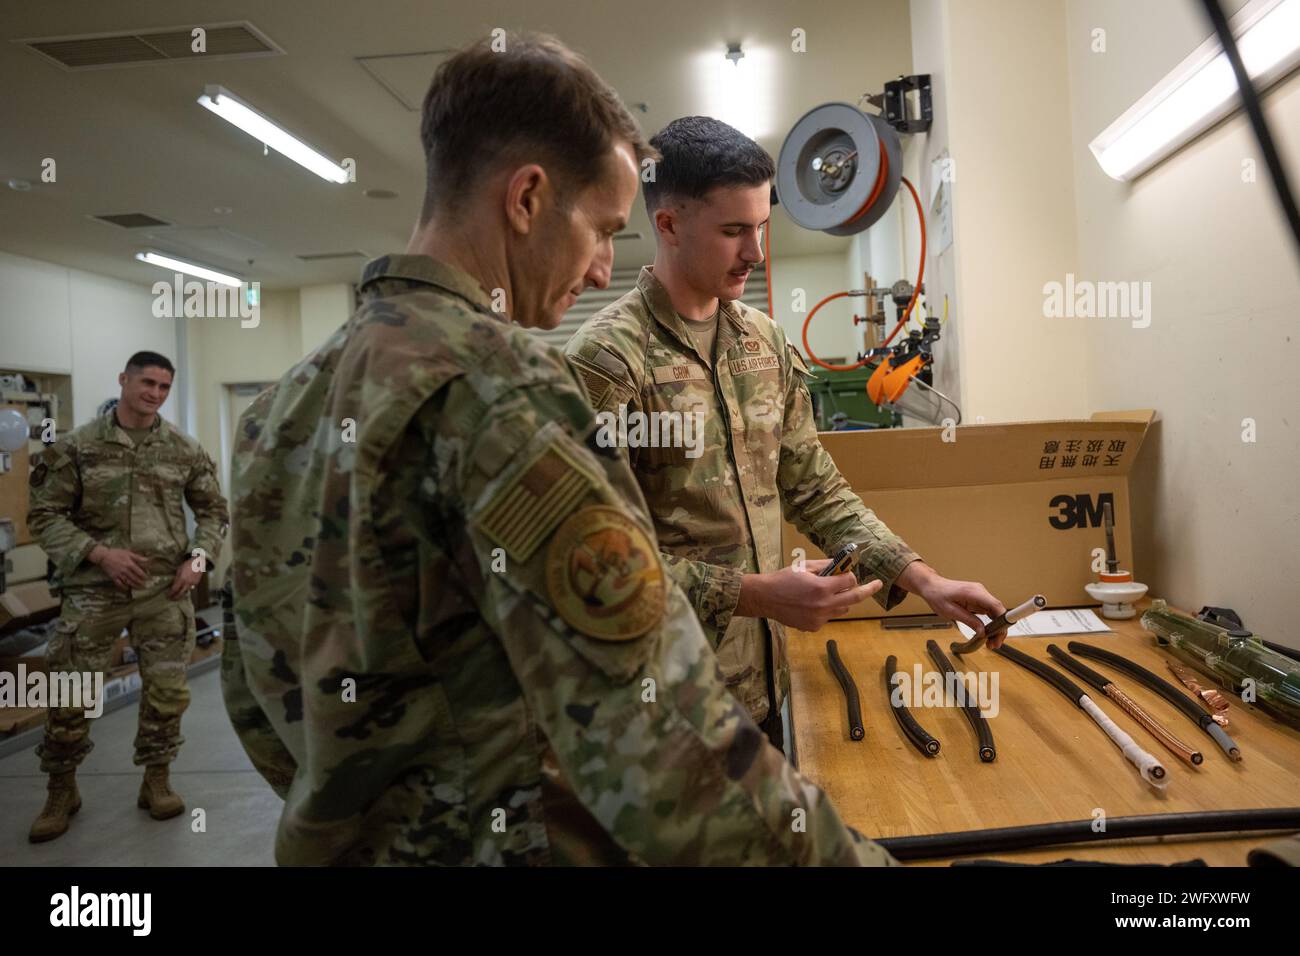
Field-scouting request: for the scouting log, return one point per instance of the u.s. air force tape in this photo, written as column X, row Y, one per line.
column 604, row 576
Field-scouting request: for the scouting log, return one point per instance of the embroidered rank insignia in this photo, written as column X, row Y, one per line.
column 523, row 513
column 604, row 576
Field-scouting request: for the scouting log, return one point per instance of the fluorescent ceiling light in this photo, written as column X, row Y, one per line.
column 189, row 268
column 1201, row 90
column 234, row 110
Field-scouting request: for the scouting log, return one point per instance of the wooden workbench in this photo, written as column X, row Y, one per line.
column 1053, row 763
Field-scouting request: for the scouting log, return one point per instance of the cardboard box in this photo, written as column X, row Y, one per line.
column 27, row 562
column 14, row 720
column 1015, row 506
column 31, row 663
column 23, row 605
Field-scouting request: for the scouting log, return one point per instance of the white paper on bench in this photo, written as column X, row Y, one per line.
column 1066, row 620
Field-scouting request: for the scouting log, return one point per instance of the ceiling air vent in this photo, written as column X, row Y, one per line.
column 131, row 220
column 98, row 51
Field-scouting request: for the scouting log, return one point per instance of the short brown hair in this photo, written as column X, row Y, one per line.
column 534, row 100
column 700, row 153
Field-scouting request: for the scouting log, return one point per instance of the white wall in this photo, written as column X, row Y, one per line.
column 1009, row 133
column 1001, row 103
column 930, row 54
column 225, row 352
column 35, row 318
column 112, row 320
column 832, row 333
column 323, row 308
column 1222, row 516
column 56, row 319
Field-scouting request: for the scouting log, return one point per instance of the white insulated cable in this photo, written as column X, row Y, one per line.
column 1146, row 764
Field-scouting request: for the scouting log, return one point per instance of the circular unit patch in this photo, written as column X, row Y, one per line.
column 604, row 575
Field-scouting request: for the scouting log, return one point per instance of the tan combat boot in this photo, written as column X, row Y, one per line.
column 62, row 802
column 156, row 794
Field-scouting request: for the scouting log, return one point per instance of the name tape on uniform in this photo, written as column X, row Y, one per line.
column 678, row 373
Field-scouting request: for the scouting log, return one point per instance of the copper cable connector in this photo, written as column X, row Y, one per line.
column 1211, row 699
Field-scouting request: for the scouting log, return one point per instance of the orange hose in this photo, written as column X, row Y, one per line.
column 881, row 178
column 808, row 348
column 916, row 291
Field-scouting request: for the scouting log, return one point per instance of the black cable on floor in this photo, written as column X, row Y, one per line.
column 938, row 845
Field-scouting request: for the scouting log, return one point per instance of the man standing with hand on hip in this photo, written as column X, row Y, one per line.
column 681, row 342
column 106, row 507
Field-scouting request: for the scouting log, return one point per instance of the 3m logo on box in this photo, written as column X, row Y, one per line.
column 991, row 505
column 1078, row 511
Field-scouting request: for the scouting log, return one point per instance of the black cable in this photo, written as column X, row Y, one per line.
column 922, row 741
column 1154, row 681
column 1050, row 674
column 1168, row 691
column 1078, row 668
column 1282, row 649
column 1250, row 101
column 856, row 730
column 962, row 843
column 1147, row 765
column 983, row 734
column 1112, row 690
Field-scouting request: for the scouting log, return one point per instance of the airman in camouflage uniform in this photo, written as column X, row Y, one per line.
column 451, row 610
column 718, row 515
column 718, row 506
column 100, row 490
column 458, row 624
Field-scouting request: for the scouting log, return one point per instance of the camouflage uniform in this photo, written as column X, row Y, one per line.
column 452, row 614
column 95, row 486
column 264, row 748
column 718, row 516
